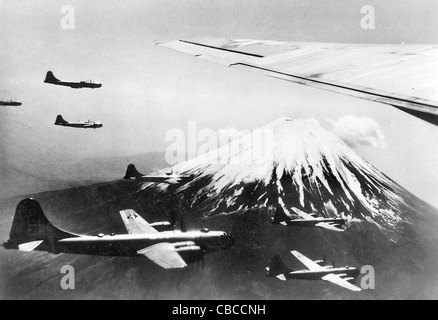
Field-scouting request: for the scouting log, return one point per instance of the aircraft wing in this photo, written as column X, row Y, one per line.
column 136, row 224
column 310, row 264
column 333, row 278
column 302, row 214
column 329, row 226
column 165, row 255
column 404, row 76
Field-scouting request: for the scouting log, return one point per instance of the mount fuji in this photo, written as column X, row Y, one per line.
column 295, row 163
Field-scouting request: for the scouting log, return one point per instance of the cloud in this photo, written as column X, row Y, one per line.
column 358, row 131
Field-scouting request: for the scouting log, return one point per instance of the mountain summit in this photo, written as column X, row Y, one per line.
column 294, row 163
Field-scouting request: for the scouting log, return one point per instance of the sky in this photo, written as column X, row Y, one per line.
column 149, row 90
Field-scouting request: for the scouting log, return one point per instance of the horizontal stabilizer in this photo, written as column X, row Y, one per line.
column 281, row 277
column 29, row 246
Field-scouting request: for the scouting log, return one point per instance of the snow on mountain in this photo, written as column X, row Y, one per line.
column 294, row 163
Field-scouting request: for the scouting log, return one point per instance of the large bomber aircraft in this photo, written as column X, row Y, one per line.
column 133, row 174
column 315, row 271
column 50, row 78
column 83, row 125
column 10, row 103
column 302, row 219
column 400, row 75
column 31, row 230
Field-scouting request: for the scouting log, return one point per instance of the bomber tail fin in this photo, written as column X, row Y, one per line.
column 31, row 229
column 280, row 216
column 60, row 120
column 50, row 78
column 132, row 173
column 277, row 268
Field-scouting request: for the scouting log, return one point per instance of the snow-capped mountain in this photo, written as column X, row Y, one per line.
column 294, row 163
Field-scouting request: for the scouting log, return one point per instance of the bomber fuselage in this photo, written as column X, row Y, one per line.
column 130, row 244
column 83, row 125
column 76, row 85
column 313, row 222
column 318, row 274
column 10, row 103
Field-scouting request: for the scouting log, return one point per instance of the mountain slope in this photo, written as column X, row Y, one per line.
column 295, row 163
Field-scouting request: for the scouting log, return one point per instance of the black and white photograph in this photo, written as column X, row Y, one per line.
column 206, row 150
